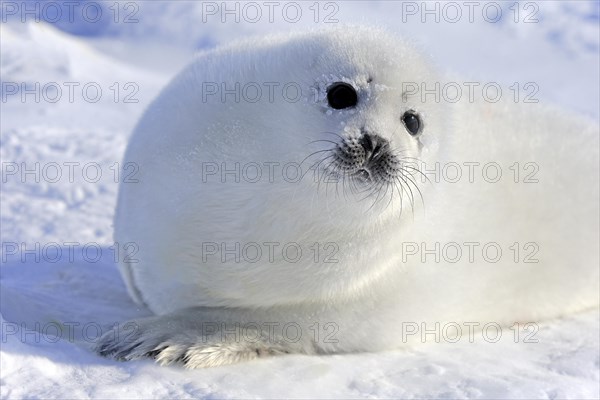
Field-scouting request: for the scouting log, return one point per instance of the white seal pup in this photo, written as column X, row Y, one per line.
column 297, row 195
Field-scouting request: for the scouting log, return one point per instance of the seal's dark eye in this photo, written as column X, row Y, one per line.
column 412, row 122
column 341, row 95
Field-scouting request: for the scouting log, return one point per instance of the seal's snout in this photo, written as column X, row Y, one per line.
column 373, row 145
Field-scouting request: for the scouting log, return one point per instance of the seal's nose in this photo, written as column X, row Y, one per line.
column 373, row 144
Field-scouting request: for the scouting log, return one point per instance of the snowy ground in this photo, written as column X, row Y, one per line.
column 42, row 210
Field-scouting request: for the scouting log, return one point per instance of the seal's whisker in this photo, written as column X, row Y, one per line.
column 408, row 176
column 387, row 186
column 312, row 154
column 371, row 190
column 337, row 193
column 400, row 194
column 317, row 171
column 328, row 175
column 346, row 181
column 396, row 150
column 355, row 189
column 406, row 187
column 378, row 196
column 333, row 133
column 323, row 140
column 418, row 190
column 321, row 174
column 417, row 170
column 318, row 163
column 391, row 195
column 412, row 201
column 410, row 158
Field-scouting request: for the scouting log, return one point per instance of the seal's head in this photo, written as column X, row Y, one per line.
column 374, row 124
column 305, row 138
column 342, row 107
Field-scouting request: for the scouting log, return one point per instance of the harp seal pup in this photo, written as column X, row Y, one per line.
column 217, row 222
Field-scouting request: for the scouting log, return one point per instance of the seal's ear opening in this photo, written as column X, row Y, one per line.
column 341, row 95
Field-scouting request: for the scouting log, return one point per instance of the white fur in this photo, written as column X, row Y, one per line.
column 370, row 292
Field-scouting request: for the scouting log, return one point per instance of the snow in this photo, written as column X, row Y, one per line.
column 75, row 293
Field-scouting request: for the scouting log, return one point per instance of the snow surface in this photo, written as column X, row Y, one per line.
column 560, row 53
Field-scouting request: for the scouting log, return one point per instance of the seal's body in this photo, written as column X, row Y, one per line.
column 305, row 182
